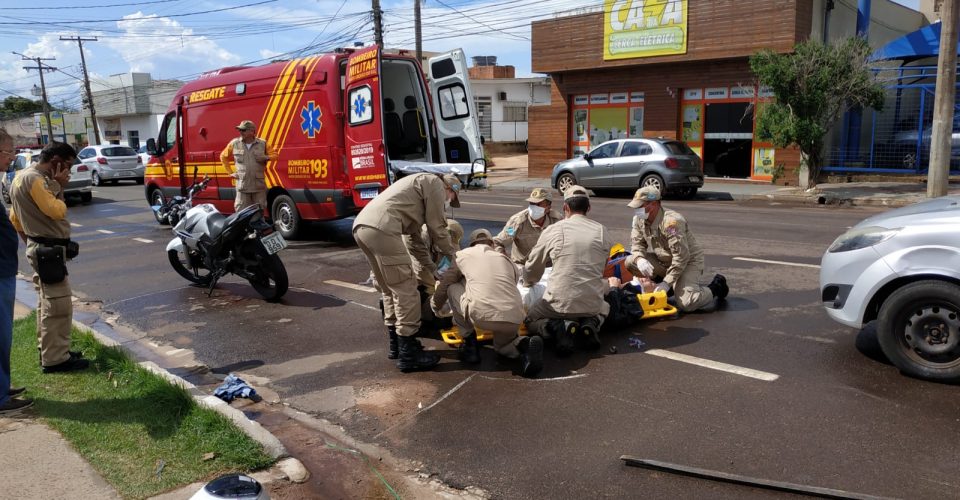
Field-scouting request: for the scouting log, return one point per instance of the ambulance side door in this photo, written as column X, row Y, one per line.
column 454, row 113
column 366, row 161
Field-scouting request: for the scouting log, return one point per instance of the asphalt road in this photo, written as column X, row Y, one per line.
column 788, row 394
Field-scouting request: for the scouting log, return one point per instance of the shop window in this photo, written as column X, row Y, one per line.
column 453, row 102
column 514, row 112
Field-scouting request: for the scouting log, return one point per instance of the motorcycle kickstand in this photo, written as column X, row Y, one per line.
column 213, row 283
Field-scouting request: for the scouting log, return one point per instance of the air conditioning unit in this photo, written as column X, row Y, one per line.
column 501, row 96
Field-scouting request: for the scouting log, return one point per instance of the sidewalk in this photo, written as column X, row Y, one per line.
column 509, row 173
column 38, row 463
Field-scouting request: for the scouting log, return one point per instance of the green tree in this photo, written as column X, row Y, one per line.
column 18, row 106
column 813, row 86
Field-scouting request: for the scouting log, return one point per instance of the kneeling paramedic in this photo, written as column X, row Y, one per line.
column 39, row 214
column 401, row 209
column 572, row 305
column 481, row 288
column 664, row 249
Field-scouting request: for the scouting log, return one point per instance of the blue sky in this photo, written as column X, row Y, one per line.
column 182, row 38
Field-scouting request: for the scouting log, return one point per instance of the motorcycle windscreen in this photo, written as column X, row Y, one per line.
column 454, row 113
column 366, row 162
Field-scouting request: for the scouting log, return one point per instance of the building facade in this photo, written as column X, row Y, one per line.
column 502, row 100
column 130, row 107
column 680, row 70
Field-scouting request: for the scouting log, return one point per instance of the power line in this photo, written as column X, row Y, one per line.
column 90, row 6
column 482, row 23
column 97, row 21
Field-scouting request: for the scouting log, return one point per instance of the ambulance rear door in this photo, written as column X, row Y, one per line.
column 454, row 113
column 366, row 161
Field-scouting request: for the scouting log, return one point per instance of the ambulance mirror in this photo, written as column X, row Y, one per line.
column 152, row 146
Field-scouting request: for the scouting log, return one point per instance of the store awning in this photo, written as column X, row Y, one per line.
column 925, row 42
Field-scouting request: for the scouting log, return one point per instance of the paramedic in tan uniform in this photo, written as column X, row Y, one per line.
column 38, row 212
column 523, row 228
column 572, row 304
column 401, row 209
column 664, row 249
column 481, row 288
column 250, row 155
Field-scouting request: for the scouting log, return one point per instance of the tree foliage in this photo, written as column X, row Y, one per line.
column 813, row 87
column 14, row 106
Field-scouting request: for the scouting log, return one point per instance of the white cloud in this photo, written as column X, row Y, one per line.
column 150, row 42
column 269, row 54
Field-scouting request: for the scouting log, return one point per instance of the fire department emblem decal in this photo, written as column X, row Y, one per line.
column 310, row 119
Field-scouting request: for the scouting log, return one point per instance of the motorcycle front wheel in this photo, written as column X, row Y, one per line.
column 270, row 279
column 183, row 264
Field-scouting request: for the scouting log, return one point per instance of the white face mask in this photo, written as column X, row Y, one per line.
column 536, row 212
column 641, row 213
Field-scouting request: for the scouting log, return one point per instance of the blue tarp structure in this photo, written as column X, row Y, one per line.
column 925, row 42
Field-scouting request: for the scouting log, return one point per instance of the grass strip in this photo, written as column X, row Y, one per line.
column 143, row 434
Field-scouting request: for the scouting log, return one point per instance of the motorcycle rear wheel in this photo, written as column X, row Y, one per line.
column 271, row 279
column 182, row 265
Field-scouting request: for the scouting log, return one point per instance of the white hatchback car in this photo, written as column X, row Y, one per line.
column 112, row 163
column 902, row 269
column 79, row 184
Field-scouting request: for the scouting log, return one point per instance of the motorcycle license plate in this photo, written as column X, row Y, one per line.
column 369, row 194
column 273, row 242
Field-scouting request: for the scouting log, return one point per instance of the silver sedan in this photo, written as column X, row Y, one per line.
column 902, row 270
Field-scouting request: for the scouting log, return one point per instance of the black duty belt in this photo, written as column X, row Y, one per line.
column 49, row 241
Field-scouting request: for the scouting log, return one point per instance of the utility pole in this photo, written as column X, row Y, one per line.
column 86, row 83
column 938, row 173
column 41, row 67
column 378, row 24
column 418, row 32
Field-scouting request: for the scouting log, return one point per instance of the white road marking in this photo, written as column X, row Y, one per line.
column 778, row 262
column 351, row 286
column 490, row 204
column 143, row 240
column 449, row 393
column 176, row 352
column 714, row 365
column 104, row 231
column 74, row 224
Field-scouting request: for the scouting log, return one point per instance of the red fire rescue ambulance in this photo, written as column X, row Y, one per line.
column 344, row 125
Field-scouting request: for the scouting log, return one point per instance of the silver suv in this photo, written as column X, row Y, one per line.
column 902, row 269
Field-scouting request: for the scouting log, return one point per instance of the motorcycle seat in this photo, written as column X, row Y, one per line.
column 219, row 222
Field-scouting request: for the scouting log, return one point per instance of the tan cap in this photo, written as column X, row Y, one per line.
column 246, row 125
column 576, row 192
column 540, row 194
column 643, row 195
column 480, row 235
column 453, row 183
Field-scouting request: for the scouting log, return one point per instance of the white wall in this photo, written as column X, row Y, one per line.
column 147, row 126
column 525, row 90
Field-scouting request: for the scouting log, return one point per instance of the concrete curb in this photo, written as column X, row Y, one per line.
column 271, row 445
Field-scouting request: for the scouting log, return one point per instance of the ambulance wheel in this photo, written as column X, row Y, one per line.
column 157, row 200
column 286, row 218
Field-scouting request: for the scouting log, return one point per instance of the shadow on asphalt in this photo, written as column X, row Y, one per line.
column 293, row 297
column 238, row 366
column 869, row 346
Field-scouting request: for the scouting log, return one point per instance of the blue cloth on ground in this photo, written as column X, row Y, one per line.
column 234, row 387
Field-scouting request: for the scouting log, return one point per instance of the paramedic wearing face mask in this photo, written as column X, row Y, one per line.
column 400, row 210
column 523, row 228
column 664, row 249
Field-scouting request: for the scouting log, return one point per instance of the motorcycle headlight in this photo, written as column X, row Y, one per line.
column 862, row 238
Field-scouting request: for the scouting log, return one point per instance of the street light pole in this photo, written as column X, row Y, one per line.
column 86, row 84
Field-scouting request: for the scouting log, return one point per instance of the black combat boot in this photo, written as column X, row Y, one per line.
column 590, row 328
column 469, row 350
column 566, row 333
column 719, row 287
column 531, row 355
column 413, row 357
column 394, row 351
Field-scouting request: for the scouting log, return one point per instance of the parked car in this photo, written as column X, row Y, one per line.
column 79, row 185
column 112, row 163
column 667, row 164
column 144, row 155
column 902, row 270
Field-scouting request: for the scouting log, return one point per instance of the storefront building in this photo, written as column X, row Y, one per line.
column 678, row 69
